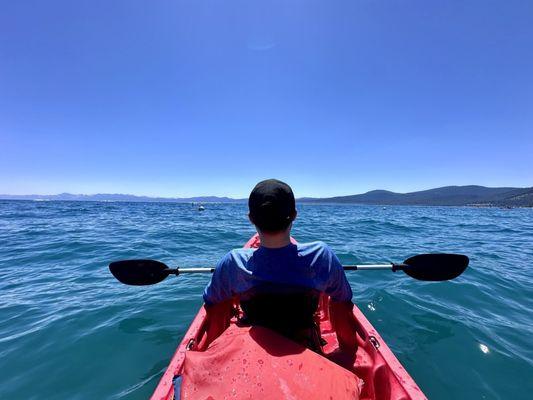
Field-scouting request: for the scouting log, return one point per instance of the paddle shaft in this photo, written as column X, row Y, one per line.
column 367, row 267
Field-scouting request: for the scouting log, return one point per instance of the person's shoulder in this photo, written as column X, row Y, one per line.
column 240, row 254
column 317, row 244
column 317, row 247
column 242, row 251
column 234, row 259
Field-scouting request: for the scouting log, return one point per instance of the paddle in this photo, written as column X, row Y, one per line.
column 424, row 267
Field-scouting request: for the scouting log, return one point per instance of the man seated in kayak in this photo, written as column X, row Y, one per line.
column 278, row 283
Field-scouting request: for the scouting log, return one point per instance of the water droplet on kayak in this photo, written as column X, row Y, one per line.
column 244, row 361
column 260, row 362
column 300, row 366
column 484, row 348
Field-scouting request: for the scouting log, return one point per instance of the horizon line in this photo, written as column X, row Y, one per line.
column 244, row 198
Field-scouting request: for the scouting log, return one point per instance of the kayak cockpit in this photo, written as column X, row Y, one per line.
column 378, row 372
column 254, row 362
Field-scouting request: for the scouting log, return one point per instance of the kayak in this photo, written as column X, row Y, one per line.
column 244, row 359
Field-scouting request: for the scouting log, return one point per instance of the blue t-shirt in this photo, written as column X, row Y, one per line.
column 312, row 265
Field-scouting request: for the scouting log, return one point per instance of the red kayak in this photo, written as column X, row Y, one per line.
column 254, row 362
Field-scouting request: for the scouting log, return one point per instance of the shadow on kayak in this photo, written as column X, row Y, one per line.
column 277, row 348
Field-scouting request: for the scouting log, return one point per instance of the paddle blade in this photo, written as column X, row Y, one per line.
column 435, row 267
column 139, row 272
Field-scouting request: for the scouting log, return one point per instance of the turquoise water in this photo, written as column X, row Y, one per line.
column 68, row 330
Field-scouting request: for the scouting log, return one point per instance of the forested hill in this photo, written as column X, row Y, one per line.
column 443, row 196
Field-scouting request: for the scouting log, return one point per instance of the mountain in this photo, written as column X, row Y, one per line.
column 119, row 197
column 443, row 196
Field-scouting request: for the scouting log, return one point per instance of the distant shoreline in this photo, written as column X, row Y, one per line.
column 464, row 196
column 307, row 203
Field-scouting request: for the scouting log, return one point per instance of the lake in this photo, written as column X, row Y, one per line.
column 69, row 330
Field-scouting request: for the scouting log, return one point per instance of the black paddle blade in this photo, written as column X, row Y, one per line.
column 435, row 267
column 139, row 272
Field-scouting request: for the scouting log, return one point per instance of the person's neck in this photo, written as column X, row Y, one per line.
column 275, row 240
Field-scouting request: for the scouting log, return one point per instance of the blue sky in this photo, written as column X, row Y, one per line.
column 178, row 98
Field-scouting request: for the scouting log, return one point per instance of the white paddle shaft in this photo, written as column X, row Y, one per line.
column 346, row 267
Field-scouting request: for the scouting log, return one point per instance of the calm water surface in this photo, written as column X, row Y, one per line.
column 68, row 330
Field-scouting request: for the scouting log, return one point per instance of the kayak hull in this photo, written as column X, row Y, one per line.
column 382, row 374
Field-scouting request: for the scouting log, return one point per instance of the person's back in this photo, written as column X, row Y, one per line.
column 278, row 284
column 309, row 265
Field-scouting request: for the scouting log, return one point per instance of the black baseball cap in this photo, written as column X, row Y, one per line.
column 272, row 205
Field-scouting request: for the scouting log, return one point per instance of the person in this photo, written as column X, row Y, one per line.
column 293, row 273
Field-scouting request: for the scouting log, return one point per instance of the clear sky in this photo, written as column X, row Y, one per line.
column 182, row 98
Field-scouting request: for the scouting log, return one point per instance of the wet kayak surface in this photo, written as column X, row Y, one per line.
column 68, row 330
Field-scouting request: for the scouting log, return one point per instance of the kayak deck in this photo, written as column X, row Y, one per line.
column 382, row 374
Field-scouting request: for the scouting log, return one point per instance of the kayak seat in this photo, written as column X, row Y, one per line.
column 286, row 309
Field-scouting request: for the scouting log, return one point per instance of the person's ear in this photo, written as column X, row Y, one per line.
column 294, row 215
